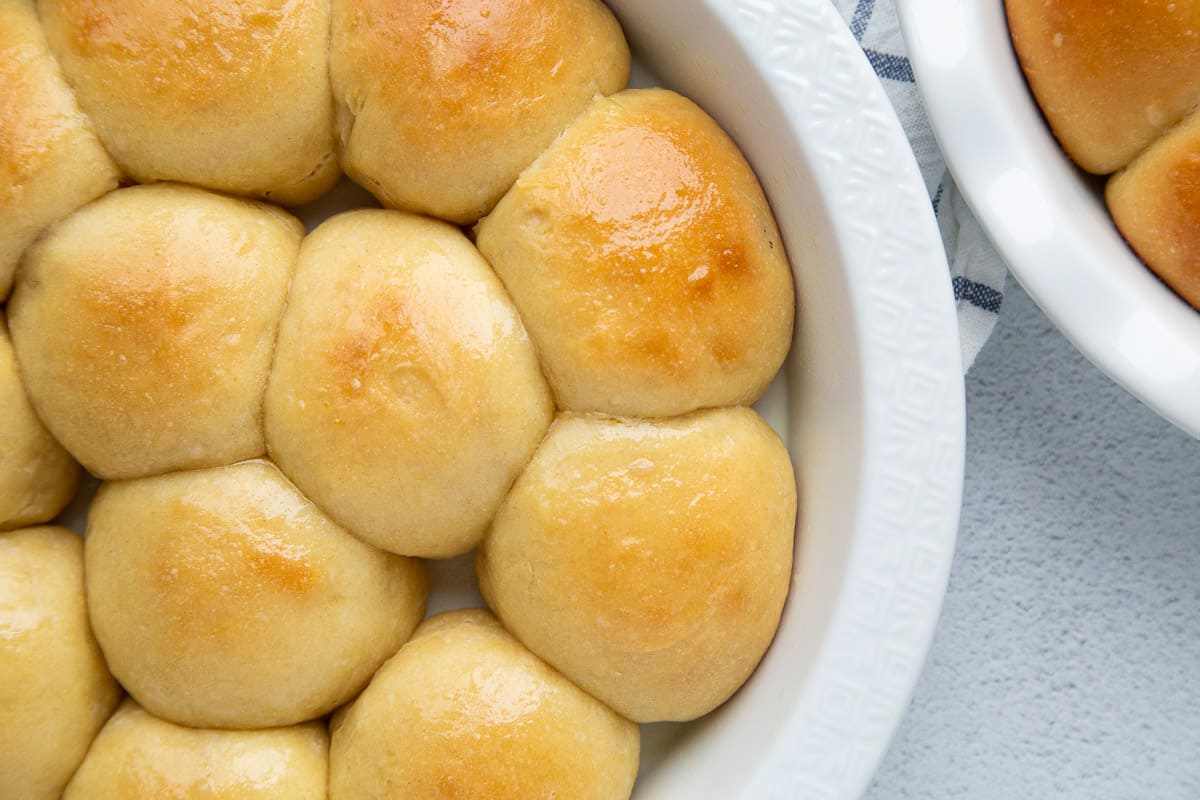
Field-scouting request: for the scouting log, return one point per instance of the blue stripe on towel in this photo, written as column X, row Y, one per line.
column 888, row 66
column 861, row 18
column 977, row 294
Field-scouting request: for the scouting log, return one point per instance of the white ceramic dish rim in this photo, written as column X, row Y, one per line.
column 1046, row 218
column 876, row 394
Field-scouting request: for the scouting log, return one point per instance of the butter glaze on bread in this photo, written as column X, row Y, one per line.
column 645, row 261
column 55, row 690
column 140, row 756
column 1155, row 202
column 51, row 162
column 405, row 395
column 231, row 95
column 441, row 103
column 1111, row 76
column 144, row 326
column 224, row 598
column 37, row 477
column 464, row 711
column 647, row 560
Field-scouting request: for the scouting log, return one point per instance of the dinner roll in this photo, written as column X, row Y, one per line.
column 223, row 598
column 55, row 691
column 51, row 162
column 442, row 103
column 1110, row 76
column 37, row 477
column 648, row 561
column 464, row 711
column 645, row 261
column 139, row 756
column 405, row 395
column 228, row 94
column 144, row 325
column 1156, row 205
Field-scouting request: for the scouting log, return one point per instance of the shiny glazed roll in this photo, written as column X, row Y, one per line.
column 232, row 96
column 37, row 477
column 1111, row 76
column 144, row 325
column 55, row 691
column 1155, row 202
column 223, row 598
column 441, row 104
column 51, row 162
column 139, row 756
column 405, row 395
column 648, row 561
column 465, row 711
column 645, row 261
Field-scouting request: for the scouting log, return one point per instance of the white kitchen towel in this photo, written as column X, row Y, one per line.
column 977, row 272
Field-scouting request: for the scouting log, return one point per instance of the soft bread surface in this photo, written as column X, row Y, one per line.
column 37, row 476
column 1110, row 75
column 228, row 94
column 645, row 261
column 1156, row 205
column 55, row 691
column 405, row 395
column 51, row 162
column 144, row 326
column 464, row 711
column 648, row 561
column 442, row 104
column 223, row 598
column 139, row 756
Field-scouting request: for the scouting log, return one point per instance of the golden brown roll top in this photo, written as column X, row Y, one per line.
column 645, row 261
column 55, row 690
column 37, row 476
column 442, row 104
column 465, row 711
column 51, row 162
column 144, row 326
column 223, row 598
column 139, row 756
column 228, row 95
column 405, row 395
column 1155, row 202
column 648, row 561
column 1111, row 76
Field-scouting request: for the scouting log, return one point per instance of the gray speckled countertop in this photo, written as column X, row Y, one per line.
column 1067, row 660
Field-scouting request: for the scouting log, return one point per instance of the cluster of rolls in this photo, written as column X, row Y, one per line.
column 1119, row 85
column 287, row 424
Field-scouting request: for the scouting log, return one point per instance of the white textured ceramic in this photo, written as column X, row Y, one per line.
column 871, row 401
column 1046, row 217
column 875, row 408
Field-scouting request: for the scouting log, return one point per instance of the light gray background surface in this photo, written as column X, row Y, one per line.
column 1067, row 660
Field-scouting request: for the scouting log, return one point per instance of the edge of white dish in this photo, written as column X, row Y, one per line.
column 1046, row 217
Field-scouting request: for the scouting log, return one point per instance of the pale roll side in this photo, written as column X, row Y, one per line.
column 55, row 690
column 138, row 755
column 465, row 711
column 37, row 476
column 231, row 95
column 51, row 162
column 224, row 598
column 144, row 325
column 405, row 394
column 648, row 560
